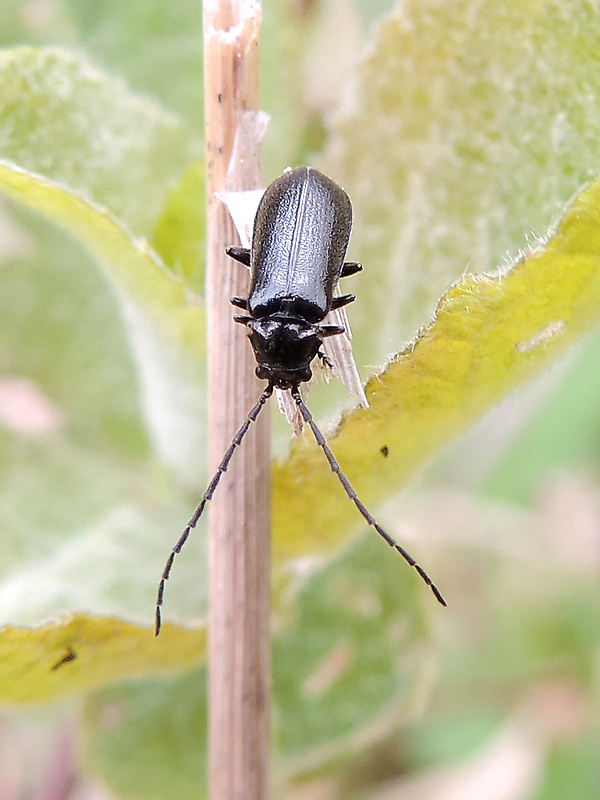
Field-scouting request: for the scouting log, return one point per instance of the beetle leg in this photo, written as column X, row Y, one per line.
column 239, row 302
column 241, row 254
column 350, row 268
column 330, row 330
column 342, row 300
column 324, row 360
column 242, row 320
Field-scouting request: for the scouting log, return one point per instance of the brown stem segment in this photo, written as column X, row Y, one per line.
column 239, row 641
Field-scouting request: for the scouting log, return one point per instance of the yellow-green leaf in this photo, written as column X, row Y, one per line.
column 490, row 333
column 81, row 652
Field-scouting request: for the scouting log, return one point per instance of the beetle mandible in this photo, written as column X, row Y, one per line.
column 299, row 242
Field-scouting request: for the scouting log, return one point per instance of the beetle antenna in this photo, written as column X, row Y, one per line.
column 206, row 497
column 335, row 467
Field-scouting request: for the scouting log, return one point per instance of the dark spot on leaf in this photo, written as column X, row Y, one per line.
column 69, row 656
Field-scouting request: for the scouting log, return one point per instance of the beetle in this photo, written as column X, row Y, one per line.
column 300, row 237
column 301, row 232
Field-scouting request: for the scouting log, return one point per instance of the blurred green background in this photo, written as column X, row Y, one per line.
column 460, row 131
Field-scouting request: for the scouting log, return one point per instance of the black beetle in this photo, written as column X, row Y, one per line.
column 300, row 236
column 301, row 232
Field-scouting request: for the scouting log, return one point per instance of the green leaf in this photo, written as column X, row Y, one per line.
column 76, row 497
column 354, row 655
column 469, row 126
column 53, row 306
column 166, row 330
column 179, row 233
column 148, row 739
column 562, row 434
column 65, row 119
column 134, row 270
column 156, row 46
column 106, row 144
column 467, row 130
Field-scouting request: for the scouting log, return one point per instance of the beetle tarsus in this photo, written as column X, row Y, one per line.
column 324, row 360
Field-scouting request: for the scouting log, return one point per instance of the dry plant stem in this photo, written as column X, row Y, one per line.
column 239, row 642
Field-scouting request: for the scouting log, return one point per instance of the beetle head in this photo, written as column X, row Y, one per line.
column 284, row 347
